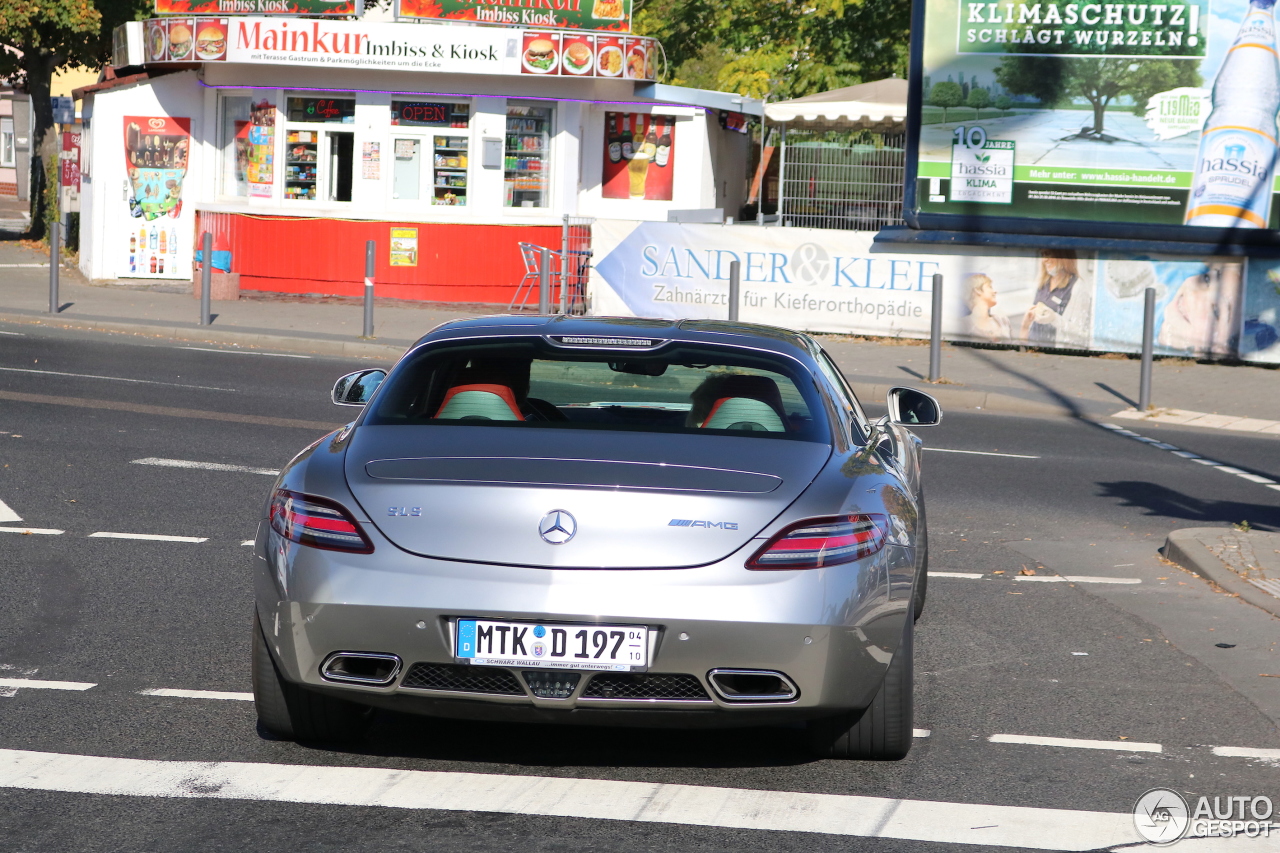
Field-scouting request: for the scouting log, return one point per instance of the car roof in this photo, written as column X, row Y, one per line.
column 755, row 335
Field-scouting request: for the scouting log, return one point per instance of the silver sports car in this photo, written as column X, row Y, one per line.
column 603, row 521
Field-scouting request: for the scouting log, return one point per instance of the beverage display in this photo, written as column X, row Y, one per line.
column 527, row 149
column 627, row 149
column 1235, row 166
column 615, row 142
column 450, row 164
column 650, row 146
column 638, row 172
column 664, row 145
column 301, row 155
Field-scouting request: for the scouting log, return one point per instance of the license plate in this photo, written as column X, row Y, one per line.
column 585, row 647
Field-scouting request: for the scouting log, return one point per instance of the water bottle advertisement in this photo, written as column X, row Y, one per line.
column 1151, row 113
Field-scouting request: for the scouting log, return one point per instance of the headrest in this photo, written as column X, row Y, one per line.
column 481, row 403
column 744, row 413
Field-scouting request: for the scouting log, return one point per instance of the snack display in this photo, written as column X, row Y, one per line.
column 578, row 58
column 211, row 40
column 180, row 42
column 611, row 10
column 609, row 57
column 157, row 41
column 540, row 56
column 636, row 58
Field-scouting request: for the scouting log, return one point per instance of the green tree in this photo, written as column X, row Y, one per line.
column 946, row 95
column 46, row 35
column 978, row 98
column 1004, row 102
column 1054, row 80
column 778, row 48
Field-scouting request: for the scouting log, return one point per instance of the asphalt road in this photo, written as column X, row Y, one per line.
column 1133, row 663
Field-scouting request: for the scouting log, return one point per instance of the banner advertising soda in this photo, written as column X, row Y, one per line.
column 839, row 281
column 614, row 15
column 1149, row 112
column 255, row 7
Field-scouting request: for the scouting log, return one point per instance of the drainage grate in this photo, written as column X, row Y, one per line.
column 627, row 685
column 461, row 678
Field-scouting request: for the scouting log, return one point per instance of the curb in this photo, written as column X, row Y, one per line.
column 954, row 398
column 293, row 343
column 1188, row 550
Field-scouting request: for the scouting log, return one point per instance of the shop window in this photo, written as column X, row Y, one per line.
column 6, row 142
column 528, row 163
column 319, row 163
column 430, row 165
column 247, row 143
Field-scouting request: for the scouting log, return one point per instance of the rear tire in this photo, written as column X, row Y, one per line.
column 883, row 731
column 295, row 713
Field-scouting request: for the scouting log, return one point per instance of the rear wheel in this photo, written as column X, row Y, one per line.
column 883, row 731
column 292, row 712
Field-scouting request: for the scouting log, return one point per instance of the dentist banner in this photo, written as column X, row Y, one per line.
column 838, row 281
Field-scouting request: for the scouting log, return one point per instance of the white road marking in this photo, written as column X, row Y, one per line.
column 7, row 514
column 23, row 266
column 111, row 378
column 205, row 466
column 40, row 684
column 38, row 531
column 246, row 542
column 973, row 576
column 1243, row 752
column 153, row 537
column 1256, row 478
column 245, row 352
column 196, row 694
column 1074, row 579
column 1077, row 743
column 1226, row 469
column 921, row 732
column 593, row 799
column 980, row 453
column 1201, row 460
column 14, row 334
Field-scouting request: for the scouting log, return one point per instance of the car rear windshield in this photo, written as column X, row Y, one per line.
column 681, row 388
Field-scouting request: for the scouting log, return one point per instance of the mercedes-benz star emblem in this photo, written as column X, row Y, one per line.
column 557, row 527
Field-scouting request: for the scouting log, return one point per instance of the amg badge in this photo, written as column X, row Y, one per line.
column 689, row 522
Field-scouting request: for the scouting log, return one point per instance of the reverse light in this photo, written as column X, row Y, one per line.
column 818, row 542
column 318, row 522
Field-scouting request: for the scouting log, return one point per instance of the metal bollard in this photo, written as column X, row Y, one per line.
column 935, row 331
column 206, row 277
column 735, row 284
column 370, row 267
column 55, row 258
column 1148, row 348
column 544, row 281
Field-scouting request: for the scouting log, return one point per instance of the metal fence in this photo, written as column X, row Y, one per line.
column 848, row 180
column 575, row 257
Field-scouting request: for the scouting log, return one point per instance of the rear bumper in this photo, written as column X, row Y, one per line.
column 831, row 631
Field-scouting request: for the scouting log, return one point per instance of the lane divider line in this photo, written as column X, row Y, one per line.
column 246, row 352
column 153, row 537
column 1243, row 752
column 967, row 575
column 246, row 542
column 592, row 799
column 1226, row 469
column 921, row 733
column 38, row 531
column 204, row 466
column 1077, row 743
column 7, row 514
column 1074, row 579
column 980, row 453
column 42, row 684
column 196, row 694
column 111, row 378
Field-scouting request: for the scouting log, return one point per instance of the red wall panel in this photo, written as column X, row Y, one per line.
column 456, row 262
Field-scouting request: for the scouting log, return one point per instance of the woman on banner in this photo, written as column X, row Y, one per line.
column 980, row 299
column 1058, row 277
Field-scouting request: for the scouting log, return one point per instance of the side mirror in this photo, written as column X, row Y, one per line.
column 356, row 389
column 912, row 408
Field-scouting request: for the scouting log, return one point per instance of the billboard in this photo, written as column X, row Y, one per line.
column 255, row 7
column 612, row 15
column 1066, row 118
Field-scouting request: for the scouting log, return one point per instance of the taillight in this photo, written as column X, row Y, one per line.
column 817, row 542
column 317, row 522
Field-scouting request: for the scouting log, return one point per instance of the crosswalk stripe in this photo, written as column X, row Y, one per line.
column 597, row 799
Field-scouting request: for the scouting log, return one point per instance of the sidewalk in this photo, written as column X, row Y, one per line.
column 1245, row 564
column 989, row 380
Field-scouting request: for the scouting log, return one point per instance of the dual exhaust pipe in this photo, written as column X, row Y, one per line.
column 377, row 669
